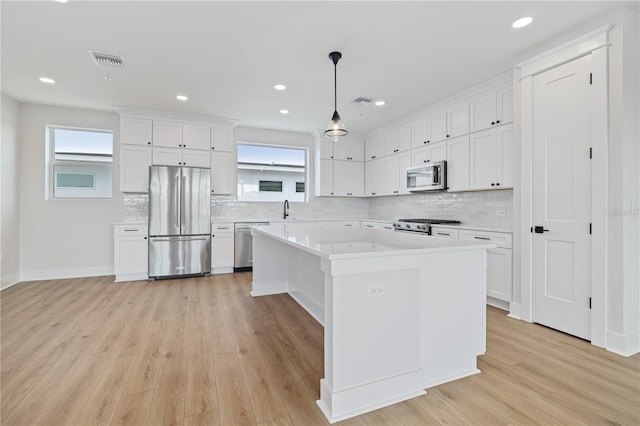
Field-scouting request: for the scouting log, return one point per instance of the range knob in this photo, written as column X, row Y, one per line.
column 407, row 226
column 423, row 227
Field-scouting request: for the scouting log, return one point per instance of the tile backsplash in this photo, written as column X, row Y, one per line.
column 481, row 209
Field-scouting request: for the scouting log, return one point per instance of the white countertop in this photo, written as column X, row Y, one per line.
column 338, row 242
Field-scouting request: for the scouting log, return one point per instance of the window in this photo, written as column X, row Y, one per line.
column 80, row 162
column 271, row 173
column 270, row 186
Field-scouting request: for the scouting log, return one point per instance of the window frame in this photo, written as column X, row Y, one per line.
column 307, row 169
column 51, row 162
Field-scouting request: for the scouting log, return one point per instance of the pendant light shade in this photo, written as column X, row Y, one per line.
column 336, row 127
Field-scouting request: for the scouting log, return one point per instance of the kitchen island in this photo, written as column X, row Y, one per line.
column 401, row 312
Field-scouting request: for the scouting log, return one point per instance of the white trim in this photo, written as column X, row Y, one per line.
column 515, row 311
column 137, row 276
column 566, row 52
column 9, row 280
column 62, row 273
column 625, row 345
column 149, row 113
column 596, row 44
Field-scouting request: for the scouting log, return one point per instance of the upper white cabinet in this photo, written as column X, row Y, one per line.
column 492, row 108
column 167, row 133
column 221, row 138
column 419, row 132
column 374, row 177
column 374, row 147
column 348, row 178
column 325, row 149
column 348, row 149
column 437, row 126
column 181, row 157
column 134, row 168
column 397, row 140
column 458, row 164
column 135, row 130
column 196, row 136
column 458, row 120
column 395, row 167
column 324, row 177
column 431, row 152
column 222, row 168
column 490, row 153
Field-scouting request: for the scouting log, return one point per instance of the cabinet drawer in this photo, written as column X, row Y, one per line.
column 452, row 234
column 221, row 228
column 501, row 239
column 129, row 230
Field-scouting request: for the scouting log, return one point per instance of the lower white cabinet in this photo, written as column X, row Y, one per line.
column 131, row 252
column 388, row 226
column 499, row 260
column 222, row 248
column 222, row 167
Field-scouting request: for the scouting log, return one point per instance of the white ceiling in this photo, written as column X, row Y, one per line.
column 226, row 56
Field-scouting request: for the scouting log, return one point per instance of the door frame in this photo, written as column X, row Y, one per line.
column 595, row 43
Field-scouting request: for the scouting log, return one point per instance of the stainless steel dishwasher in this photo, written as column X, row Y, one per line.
column 243, row 254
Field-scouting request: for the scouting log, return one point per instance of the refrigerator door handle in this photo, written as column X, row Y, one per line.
column 177, row 202
column 182, row 200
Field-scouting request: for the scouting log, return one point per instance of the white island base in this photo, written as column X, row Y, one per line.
column 401, row 313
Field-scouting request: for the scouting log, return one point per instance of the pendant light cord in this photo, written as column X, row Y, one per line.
column 335, row 86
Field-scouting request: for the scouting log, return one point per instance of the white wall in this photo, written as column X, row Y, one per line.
column 62, row 238
column 9, row 228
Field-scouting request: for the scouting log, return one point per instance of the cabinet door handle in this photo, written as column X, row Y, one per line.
column 369, row 226
column 145, row 238
column 482, row 238
column 443, row 233
column 213, row 235
column 498, row 184
column 493, row 184
column 497, row 121
column 131, row 230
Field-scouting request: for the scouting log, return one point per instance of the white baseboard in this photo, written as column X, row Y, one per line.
column 9, row 280
column 514, row 311
column 222, row 270
column 62, row 273
column 624, row 344
column 497, row 303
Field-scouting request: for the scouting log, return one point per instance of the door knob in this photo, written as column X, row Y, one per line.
column 539, row 229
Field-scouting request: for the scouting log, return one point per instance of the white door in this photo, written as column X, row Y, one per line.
column 562, row 198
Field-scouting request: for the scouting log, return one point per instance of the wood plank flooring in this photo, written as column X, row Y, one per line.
column 201, row 351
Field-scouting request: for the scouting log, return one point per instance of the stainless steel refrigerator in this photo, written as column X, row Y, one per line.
column 179, row 221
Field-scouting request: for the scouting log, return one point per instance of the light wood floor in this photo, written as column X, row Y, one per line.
column 202, row 351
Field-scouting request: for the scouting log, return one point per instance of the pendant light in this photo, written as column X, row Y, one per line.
column 336, row 128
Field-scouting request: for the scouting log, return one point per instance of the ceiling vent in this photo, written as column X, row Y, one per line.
column 361, row 101
column 107, row 59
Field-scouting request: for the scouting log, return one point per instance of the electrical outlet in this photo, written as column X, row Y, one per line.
column 501, row 212
column 375, row 290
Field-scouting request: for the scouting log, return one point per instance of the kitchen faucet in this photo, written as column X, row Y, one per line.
column 286, row 209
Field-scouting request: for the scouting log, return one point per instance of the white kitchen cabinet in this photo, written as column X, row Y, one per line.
column 222, row 167
column 446, row 233
column 490, row 153
column 458, row 119
column 395, row 172
column 324, row 178
column 196, row 136
column 491, row 108
column 135, row 130
column 222, row 248
column 458, row 164
column 325, row 149
column 134, row 168
column 348, row 149
column 374, row 177
column 374, row 147
column 419, row 132
column 167, row 133
column 181, row 157
column 397, row 140
column 348, row 178
column 221, row 138
column 437, row 126
column 130, row 252
column 387, row 226
column 499, row 262
column 430, row 152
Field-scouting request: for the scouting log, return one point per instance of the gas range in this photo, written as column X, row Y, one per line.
column 421, row 225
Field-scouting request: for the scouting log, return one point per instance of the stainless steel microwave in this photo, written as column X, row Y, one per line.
column 430, row 176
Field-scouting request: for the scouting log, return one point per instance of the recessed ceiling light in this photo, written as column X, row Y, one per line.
column 379, row 103
column 62, row 1
column 182, row 98
column 284, row 111
column 279, row 87
column 522, row 22
column 47, row 80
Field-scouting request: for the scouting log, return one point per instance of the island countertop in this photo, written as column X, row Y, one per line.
column 337, row 242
